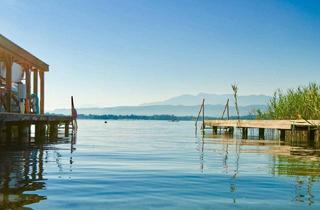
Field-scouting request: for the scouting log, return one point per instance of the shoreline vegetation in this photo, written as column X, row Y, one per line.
column 299, row 103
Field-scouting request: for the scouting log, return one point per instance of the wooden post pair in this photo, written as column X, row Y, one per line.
column 36, row 74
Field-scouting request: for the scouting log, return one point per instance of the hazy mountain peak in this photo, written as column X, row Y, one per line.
column 191, row 100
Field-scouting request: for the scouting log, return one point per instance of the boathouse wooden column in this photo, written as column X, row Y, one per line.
column 8, row 63
column 41, row 92
column 28, row 88
column 35, row 82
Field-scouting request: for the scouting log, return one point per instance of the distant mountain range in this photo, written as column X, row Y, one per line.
column 184, row 105
column 214, row 99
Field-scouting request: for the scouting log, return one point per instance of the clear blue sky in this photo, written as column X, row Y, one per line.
column 127, row 52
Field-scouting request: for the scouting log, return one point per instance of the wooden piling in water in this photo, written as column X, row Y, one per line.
column 40, row 131
column 53, row 130
column 8, row 132
column 317, row 137
column 214, row 130
column 244, row 133
column 66, row 129
column 1, row 131
column 203, row 124
column 282, row 135
column 231, row 130
column 23, row 131
column 261, row 133
column 311, row 134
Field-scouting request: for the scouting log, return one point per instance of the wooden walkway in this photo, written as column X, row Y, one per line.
column 272, row 124
column 311, row 127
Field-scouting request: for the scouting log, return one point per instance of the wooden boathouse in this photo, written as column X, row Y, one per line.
column 22, row 95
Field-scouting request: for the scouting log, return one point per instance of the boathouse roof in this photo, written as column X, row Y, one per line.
column 20, row 55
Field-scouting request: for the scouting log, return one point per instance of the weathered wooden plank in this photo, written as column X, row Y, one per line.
column 31, row 118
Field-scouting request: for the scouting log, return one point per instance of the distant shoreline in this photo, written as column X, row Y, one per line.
column 152, row 117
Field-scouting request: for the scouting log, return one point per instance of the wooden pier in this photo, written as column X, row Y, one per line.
column 14, row 125
column 283, row 126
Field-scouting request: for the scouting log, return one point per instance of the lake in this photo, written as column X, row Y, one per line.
column 156, row 165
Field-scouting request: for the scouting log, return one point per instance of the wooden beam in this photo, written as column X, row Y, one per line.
column 21, row 55
column 31, row 118
column 8, row 63
column 41, row 92
column 28, row 87
column 35, row 82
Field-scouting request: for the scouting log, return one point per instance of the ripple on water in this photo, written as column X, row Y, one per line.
column 157, row 165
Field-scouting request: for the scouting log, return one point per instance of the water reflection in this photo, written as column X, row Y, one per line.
column 295, row 159
column 22, row 171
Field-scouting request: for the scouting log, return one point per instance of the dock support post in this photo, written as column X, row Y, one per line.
column 293, row 133
column 214, row 130
column 23, row 132
column 244, row 133
column 1, row 131
column 8, row 132
column 311, row 135
column 282, row 135
column 317, row 137
column 261, row 133
column 66, row 129
column 231, row 130
column 203, row 124
column 53, row 130
column 40, row 132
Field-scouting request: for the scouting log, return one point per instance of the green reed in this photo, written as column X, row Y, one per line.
column 302, row 102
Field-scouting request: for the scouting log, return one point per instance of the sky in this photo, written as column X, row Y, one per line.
column 128, row 52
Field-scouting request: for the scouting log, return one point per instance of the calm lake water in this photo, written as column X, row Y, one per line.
column 156, row 165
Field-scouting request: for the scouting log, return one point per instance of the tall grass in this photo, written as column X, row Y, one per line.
column 300, row 103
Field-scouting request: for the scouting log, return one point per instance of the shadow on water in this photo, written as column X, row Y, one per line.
column 22, row 170
column 295, row 158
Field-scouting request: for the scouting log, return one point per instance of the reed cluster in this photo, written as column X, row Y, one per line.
column 300, row 103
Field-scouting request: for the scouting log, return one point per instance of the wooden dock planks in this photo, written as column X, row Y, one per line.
column 272, row 124
column 32, row 118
